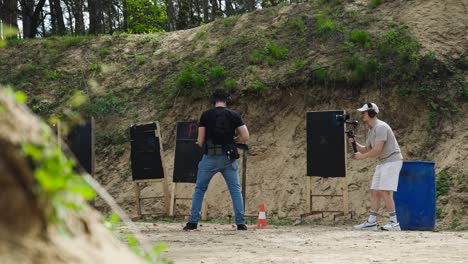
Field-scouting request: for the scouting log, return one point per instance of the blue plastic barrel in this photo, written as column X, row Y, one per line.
column 415, row 199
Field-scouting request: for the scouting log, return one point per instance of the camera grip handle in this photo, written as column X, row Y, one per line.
column 350, row 134
column 354, row 146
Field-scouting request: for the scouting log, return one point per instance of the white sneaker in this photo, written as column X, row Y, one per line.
column 392, row 226
column 366, row 226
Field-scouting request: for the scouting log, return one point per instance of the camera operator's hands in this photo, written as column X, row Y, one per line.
column 358, row 156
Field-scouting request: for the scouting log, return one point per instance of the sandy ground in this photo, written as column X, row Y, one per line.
column 217, row 243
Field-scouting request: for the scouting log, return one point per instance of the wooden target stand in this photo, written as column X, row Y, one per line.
column 163, row 182
column 174, row 198
column 343, row 182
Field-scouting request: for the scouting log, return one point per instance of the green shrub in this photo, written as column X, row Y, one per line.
column 298, row 66
column 403, row 90
column 198, row 74
column 270, row 53
column 110, row 138
column 374, row 3
column 325, row 25
column 230, row 85
column 216, row 72
column 258, row 86
column 399, row 45
column 200, row 35
column 229, row 21
column 320, row 74
column 361, row 69
column 298, row 24
column 462, row 88
column 54, row 75
column 359, row 74
column 70, row 41
column 190, row 78
column 270, row 60
column 256, row 57
column 360, row 37
column 103, row 52
column 93, row 67
column 140, row 59
column 442, row 183
column 107, row 105
column 276, row 52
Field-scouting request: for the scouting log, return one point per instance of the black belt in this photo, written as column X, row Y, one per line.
column 217, row 150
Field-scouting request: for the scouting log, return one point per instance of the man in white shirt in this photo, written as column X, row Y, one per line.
column 382, row 144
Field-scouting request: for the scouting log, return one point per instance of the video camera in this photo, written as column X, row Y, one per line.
column 344, row 119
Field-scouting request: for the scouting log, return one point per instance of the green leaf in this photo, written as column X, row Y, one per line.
column 159, row 248
column 21, row 97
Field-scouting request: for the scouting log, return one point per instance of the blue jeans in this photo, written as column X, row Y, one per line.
column 207, row 168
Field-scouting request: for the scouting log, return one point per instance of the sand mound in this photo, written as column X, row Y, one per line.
column 25, row 235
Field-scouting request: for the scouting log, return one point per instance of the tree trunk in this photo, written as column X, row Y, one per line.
column 95, row 16
column 182, row 16
column 56, row 14
column 206, row 12
column 31, row 17
column 125, row 14
column 229, row 9
column 69, row 18
column 198, row 9
column 8, row 13
column 110, row 11
column 78, row 15
column 171, row 18
column 214, row 9
column 44, row 30
column 251, row 5
column 192, row 22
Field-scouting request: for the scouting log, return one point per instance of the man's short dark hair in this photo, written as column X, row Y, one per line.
column 220, row 95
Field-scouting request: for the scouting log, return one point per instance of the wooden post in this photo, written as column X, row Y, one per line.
column 164, row 181
column 204, row 208
column 137, row 198
column 173, row 197
column 344, row 181
column 309, row 193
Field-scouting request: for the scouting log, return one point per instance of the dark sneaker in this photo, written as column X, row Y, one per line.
column 241, row 227
column 190, row 226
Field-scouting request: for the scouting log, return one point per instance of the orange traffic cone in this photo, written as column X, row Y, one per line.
column 262, row 223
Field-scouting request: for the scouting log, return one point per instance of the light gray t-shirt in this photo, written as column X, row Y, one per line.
column 383, row 132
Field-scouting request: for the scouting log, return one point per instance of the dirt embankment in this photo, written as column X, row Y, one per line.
column 26, row 234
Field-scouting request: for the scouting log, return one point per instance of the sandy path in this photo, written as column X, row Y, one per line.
column 216, row 243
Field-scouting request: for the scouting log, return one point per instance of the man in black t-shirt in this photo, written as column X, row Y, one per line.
column 219, row 130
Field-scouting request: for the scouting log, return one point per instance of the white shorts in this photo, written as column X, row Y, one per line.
column 386, row 176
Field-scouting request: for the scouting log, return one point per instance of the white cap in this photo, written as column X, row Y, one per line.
column 366, row 107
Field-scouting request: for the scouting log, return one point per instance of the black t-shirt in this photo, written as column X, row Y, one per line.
column 220, row 124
